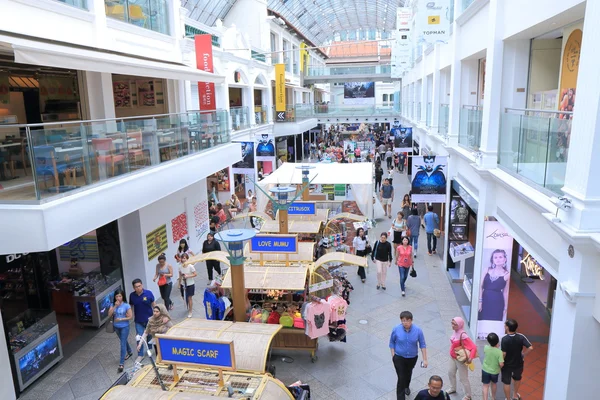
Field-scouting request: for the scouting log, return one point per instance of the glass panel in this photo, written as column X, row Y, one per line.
column 149, row 14
column 469, row 135
column 444, row 118
column 240, row 118
column 466, row 4
column 418, row 111
column 76, row 3
column 428, row 115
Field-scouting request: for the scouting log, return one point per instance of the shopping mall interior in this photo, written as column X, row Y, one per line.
column 230, row 154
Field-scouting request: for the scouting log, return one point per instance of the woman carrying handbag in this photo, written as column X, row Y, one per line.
column 405, row 262
column 462, row 351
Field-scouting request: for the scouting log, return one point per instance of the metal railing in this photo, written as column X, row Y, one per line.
column 261, row 114
column 469, row 135
column 298, row 112
column 190, row 31
column 62, row 158
column 351, row 70
column 534, row 144
column 149, row 14
column 444, row 119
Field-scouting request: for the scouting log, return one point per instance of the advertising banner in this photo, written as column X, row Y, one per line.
column 433, row 21
column 495, row 279
column 274, row 244
column 265, row 147
column 403, row 43
column 429, row 179
column 247, row 158
column 156, row 242
column 403, row 139
column 196, row 352
column 204, row 62
column 359, row 93
column 280, row 92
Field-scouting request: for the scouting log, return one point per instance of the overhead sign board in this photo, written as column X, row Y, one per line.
column 274, row 244
column 302, row 208
column 196, row 352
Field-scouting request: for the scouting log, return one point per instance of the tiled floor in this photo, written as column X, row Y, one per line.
column 360, row 369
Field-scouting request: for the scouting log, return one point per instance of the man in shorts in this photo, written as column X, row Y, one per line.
column 515, row 346
column 387, row 197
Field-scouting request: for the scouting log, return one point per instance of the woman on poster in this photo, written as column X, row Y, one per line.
column 493, row 292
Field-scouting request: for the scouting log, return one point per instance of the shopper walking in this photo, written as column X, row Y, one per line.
column 432, row 222
column 184, row 248
column 405, row 261
column 378, row 176
column 210, row 245
column 434, row 390
column 460, row 339
column 413, row 223
column 493, row 361
column 406, row 205
column 360, row 243
column 387, row 197
column 158, row 323
column 164, row 273
column 515, row 346
column 401, row 162
column 121, row 313
column 389, row 157
column 382, row 256
column 405, row 341
column 187, row 273
column 398, row 229
column 142, row 302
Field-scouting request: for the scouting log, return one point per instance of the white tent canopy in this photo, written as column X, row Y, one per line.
column 358, row 175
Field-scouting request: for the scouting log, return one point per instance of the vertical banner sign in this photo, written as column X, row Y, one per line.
column 280, row 92
column 302, row 56
column 204, row 62
column 429, row 179
column 433, row 21
column 403, row 44
column 569, row 72
column 495, row 279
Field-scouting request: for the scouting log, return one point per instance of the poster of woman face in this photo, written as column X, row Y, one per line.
column 495, row 280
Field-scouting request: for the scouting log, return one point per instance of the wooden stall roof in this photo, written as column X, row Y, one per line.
column 121, row 392
column 251, row 342
column 282, row 278
column 306, row 250
column 220, row 256
column 321, row 215
column 294, row 226
column 341, row 257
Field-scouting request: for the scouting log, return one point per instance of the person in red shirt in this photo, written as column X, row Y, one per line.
column 404, row 260
column 221, row 213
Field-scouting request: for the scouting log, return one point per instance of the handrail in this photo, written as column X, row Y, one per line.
column 80, row 121
column 507, row 109
column 469, row 107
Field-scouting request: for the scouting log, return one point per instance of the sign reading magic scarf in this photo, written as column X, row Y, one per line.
column 195, row 352
column 433, row 21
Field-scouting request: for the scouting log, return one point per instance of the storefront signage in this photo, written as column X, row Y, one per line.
column 433, row 24
column 280, row 92
column 204, row 62
column 532, row 267
column 274, row 244
column 302, row 208
column 207, row 353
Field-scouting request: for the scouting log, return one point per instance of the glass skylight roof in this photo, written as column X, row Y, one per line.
column 208, row 11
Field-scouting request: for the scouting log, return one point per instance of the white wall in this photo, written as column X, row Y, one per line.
column 7, row 388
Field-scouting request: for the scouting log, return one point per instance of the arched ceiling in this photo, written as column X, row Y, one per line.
column 319, row 20
column 208, row 11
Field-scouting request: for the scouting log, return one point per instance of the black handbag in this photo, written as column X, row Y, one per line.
column 412, row 272
column 368, row 250
column 110, row 327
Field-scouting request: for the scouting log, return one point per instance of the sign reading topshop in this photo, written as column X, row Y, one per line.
column 197, row 352
column 274, row 244
column 300, row 208
column 495, row 279
column 429, row 179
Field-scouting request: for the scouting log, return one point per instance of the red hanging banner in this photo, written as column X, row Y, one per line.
column 204, row 62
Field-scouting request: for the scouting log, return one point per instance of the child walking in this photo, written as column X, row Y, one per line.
column 493, row 361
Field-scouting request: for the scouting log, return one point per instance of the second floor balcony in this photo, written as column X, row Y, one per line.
column 471, row 118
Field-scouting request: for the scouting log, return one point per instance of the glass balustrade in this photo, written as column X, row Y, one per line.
column 534, row 144
column 428, row 115
column 299, row 112
column 369, row 70
column 466, row 4
column 419, row 111
column 149, row 14
column 261, row 114
column 240, row 118
column 75, row 3
column 443, row 119
column 469, row 135
column 57, row 159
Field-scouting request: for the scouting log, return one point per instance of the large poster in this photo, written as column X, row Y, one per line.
column 204, row 62
column 156, row 242
column 265, row 147
column 495, row 279
column 403, row 140
column 358, row 93
column 429, row 179
column 403, row 43
column 433, row 21
column 247, row 158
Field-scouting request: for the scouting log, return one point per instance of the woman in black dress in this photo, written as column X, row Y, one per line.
column 493, row 292
column 210, row 244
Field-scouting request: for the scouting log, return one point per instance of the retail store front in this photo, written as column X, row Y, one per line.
column 47, row 297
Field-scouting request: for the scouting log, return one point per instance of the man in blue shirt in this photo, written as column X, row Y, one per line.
column 142, row 303
column 405, row 341
column 432, row 222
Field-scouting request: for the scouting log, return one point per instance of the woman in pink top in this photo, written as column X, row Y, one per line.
column 460, row 338
column 404, row 260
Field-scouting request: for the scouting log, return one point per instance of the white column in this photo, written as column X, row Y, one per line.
column 436, row 90
column 424, row 96
column 99, row 95
column 492, row 101
column 7, row 388
column 455, row 82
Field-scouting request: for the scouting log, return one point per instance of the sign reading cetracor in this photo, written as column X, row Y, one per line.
column 274, row 244
column 299, row 208
column 216, row 354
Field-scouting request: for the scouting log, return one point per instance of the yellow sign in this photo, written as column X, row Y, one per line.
column 569, row 72
column 303, row 56
column 156, row 242
column 433, row 20
column 280, row 87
